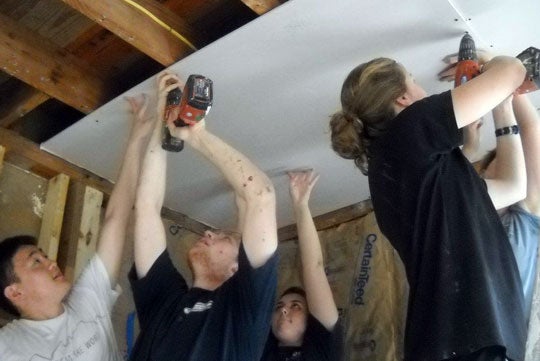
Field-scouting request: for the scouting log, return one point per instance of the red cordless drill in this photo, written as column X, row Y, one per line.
column 467, row 66
column 191, row 105
column 530, row 58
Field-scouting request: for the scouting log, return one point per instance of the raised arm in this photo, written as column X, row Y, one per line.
column 150, row 238
column 254, row 192
column 529, row 122
column 471, row 140
column 506, row 180
column 500, row 77
column 318, row 293
column 113, row 231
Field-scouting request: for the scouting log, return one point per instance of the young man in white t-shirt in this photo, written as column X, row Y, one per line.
column 57, row 321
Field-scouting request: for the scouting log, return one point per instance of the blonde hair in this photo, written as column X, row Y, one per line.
column 367, row 98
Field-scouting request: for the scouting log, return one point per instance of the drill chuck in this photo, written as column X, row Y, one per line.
column 467, row 65
column 467, row 49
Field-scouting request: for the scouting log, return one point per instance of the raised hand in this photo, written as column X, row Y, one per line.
column 300, row 185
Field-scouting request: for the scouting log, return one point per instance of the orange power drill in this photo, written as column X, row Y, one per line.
column 530, row 58
column 191, row 105
column 467, row 66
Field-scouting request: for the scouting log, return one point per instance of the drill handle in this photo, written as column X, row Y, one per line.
column 170, row 143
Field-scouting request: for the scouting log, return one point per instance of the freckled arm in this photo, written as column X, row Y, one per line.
column 254, row 194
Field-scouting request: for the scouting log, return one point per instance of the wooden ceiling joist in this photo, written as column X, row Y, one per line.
column 261, row 6
column 40, row 63
column 26, row 154
column 138, row 29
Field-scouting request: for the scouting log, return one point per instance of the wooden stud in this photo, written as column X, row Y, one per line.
column 80, row 229
column 53, row 215
column 27, row 155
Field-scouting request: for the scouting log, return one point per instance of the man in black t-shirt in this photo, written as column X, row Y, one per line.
column 226, row 314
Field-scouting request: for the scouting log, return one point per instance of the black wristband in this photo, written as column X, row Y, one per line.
column 514, row 129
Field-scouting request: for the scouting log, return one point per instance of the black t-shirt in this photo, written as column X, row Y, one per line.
column 319, row 344
column 230, row 323
column 465, row 290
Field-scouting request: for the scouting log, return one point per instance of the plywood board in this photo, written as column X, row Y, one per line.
column 80, row 230
column 53, row 215
column 277, row 81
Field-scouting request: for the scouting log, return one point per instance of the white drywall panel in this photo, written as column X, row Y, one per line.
column 277, row 81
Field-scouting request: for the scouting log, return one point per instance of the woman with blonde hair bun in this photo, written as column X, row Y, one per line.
column 465, row 299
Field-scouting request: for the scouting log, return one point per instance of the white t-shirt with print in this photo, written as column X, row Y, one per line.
column 83, row 332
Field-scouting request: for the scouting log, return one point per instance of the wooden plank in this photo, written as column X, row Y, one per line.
column 329, row 220
column 55, row 21
column 27, row 155
column 261, row 6
column 139, row 29
column 53, row 215
column 80, row 229
column 47, row 67
column 175, row 21
column 105, row 52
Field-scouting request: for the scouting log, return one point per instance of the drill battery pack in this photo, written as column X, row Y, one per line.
column 196, row 100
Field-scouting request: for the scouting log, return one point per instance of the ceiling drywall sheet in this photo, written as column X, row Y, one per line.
column 277, row 81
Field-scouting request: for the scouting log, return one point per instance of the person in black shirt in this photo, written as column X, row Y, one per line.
column 226, row 314
column 305, row 324
column 465, row 300
column 521, row 220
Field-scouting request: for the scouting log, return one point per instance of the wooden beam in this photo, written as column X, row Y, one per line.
column 40, row 63
column 27, row 155
column 17, row 100
column 329, row 220
column 138, row 29
column 81, row 229
column 261, row 6
column 53, row 215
